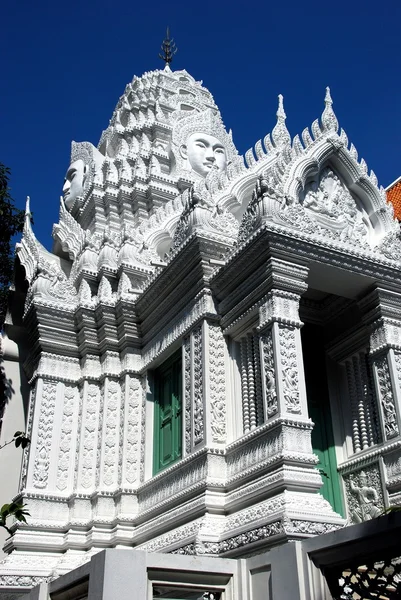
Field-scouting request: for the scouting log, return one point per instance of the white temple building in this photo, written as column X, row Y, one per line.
column 211, row 353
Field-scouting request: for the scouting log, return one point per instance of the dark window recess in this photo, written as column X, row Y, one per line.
column 319, row 411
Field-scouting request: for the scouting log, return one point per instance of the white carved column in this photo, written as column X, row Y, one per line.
column 108, row 452
column 215, row 384
column 204, row 387
column 382, row 313
column 132, row 449
column 283, row 380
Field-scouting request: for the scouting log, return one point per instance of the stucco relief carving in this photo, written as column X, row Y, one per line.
column 249, row 457
column 386, row 397
column 364, row 494
column 131, row 437
column 217, row 382
column 289, row 369
column 187, row 374
column 269, row 376
column 111, row 431
column 332, row 205
column 67, row 427
column 202, row 214
column 200, row 142
column 198, row 425
column 85, row 160
column 45, row 433
column 91, row 404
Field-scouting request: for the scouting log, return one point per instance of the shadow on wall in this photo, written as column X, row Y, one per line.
column 6, row 390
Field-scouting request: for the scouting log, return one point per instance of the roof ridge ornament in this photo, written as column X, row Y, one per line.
column 168, row 48
column 329, row 119
column 280, row 134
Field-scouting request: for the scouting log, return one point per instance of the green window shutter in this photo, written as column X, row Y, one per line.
column 320, row 413
column 168, row 414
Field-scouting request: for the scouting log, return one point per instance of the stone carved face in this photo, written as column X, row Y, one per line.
column 74, row 182
column 201, row 152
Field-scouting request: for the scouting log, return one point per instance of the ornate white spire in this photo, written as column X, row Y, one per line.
column 329, row 119
column 280, row 133
column 28, row 213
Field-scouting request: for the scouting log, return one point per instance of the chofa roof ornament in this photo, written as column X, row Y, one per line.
column 329, row 119
column 280, row 134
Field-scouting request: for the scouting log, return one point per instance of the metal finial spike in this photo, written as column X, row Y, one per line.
column 280, row 110
column 168, row 48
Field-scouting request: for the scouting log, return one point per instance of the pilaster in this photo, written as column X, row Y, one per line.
column 382, row 314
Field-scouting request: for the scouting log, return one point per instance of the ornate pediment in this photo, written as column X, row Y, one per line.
column 328, row 201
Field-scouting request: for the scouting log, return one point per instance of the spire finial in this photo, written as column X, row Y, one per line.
column 168, row 48
column 28, row 215
column 280, row 133
column 280, row 111
column 329, row 119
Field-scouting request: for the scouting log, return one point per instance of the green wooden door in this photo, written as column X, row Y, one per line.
column 320, row 413
column 168, row 414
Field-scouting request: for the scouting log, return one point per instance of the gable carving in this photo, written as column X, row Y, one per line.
column 328, row 201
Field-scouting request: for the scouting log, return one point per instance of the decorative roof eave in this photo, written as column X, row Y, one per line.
column 68, row 233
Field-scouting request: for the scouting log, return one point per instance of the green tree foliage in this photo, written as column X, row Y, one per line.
column 11, row 222
column 14, row 509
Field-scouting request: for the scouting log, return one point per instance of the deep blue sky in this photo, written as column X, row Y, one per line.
column 65, row 64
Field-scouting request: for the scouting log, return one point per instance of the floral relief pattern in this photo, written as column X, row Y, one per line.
column 89, row 433
column 63, row 464
column 44, row 439
column 289, row 366
column 132, row 431
column 110, row 442
column 198, row 384
column 270, row 391
column 217, row 384
column 386, row 397
column 187, row 392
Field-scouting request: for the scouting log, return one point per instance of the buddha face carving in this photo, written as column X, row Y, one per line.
column 202, row 152
column 86, row 160
column 74, row 182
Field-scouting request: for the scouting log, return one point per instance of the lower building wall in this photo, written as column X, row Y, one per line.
column 280, row 574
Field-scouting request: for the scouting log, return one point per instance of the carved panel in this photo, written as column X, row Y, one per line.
column 217, row 381
column 45, row 434
column 132, row 419
column 269, row 377
column 364, row 494
column 289, row 369
column 386, row 395
column 66, row 436
column 111, row 430
column 197, row 346
column 87, row 468
column 187, row 374
column 25, row 457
